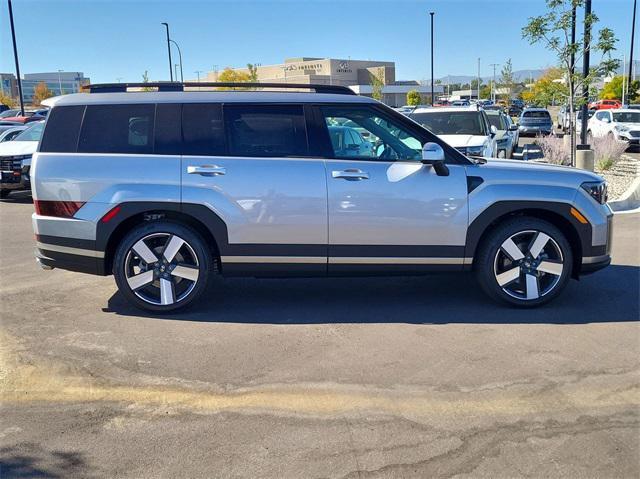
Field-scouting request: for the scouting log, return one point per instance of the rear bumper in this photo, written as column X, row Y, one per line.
column 15, row 180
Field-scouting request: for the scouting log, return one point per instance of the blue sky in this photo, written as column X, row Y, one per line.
column 120, row 39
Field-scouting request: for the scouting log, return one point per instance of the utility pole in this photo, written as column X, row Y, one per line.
column 198, row 73
column 432, row 89
column 60, row 80
column 478, row 97
column 585, row 72
column 633, row 33
column 493, row 83
column 15, row 55
column 169, row 50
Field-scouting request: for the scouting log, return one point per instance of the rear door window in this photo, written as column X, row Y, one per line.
column 266, row 130
column 63, row 127
column 203, row 129
column 117, row 129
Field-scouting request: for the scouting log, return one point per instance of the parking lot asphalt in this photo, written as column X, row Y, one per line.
column 355, row 377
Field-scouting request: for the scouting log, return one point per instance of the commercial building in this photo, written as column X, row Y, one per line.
column 356, row 74
column 8, row 84
column 60, row 83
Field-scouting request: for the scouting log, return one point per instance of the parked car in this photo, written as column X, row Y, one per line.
column 590, row 113
column 7, row 125
column 348, row 142
column 605, row 105
column 460, row 103
column 506, row 141
column 165, row 190
column 535, row 121
column 467, row 129
column 10, row 133
column 8, row 113
column 514, row 111
column 633, row 107
column 15, row 159
column 26, row 118
column 622, row 125
column 517, row 103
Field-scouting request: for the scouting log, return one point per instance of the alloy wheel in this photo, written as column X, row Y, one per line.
column 528, row 265
column 161, row 269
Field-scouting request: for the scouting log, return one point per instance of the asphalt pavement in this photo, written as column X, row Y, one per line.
column 354, row 377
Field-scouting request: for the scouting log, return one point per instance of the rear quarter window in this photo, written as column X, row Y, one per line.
column 62, row 129
column 117, row 129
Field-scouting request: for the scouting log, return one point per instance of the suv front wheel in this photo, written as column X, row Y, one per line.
column 524, row 261
column 162, row 266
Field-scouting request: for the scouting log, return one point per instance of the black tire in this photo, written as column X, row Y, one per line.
column 193, row 256
column 4, row 194
column 517, row 281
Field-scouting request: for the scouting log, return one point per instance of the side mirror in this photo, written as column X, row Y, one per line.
column 433, row 154
column 493, row 130
column 513, row 127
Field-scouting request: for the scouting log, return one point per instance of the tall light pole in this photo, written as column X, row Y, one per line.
column 197, row 72
column 432, row 88
column 60, row 80
column 478, row 97
column 180, row 57
column 633, row 33
column 15, row 56
column 493, row 82
column 585, row 73
column 169, row 50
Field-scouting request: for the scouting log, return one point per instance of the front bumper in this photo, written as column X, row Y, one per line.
column 594, row 263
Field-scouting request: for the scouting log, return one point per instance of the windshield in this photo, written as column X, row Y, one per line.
column 627, row 117
column 494, row 120
column 452, row 122
column 33, row 133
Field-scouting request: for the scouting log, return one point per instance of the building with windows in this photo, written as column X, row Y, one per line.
column 8, row 85
column 356, row 74
column 60, row 83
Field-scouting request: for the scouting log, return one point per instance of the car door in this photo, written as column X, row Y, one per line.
column 598, row 126
column 387, row 211
column 250, row 165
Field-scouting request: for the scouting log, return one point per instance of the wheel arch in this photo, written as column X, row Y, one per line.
column 558, row 214
column 204, row 221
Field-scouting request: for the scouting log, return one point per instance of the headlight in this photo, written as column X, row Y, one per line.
column 475, row 150
column 597, row 190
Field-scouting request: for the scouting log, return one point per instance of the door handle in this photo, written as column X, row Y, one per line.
column 351, row 174
column 206, row 170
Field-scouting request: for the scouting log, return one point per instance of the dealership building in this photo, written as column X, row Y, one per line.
column 355, row 74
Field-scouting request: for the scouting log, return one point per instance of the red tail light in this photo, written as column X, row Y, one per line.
column 60, row 209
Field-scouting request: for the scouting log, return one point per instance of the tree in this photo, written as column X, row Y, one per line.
column 413, row 98
column 7, row 100
column 507, row 81
column 229, row 75
column 613, row 89
column 253, row 72
column 549, row 88
column 377, row 83
column 41, row 92
column 145, row 79
column 485, row 91
column 553, row 30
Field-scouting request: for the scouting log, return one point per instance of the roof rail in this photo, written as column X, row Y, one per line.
column 180, row 86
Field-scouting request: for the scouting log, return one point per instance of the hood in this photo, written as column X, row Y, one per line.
column 535, row 172
column 630, row 125
column 17, row 148
column 458, row 141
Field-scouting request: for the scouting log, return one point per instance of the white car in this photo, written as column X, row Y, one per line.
column 467, row 129
column 623, row 125
column 15, row 159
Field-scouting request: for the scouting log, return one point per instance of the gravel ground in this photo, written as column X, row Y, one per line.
column 620, row 177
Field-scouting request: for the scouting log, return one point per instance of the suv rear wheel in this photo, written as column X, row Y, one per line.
column 524, row 261
column 162, row 266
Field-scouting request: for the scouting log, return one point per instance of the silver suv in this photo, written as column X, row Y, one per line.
column 165, row 188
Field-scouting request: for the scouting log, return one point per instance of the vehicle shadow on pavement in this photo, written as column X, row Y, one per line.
column 30, row 460
column 21, row 197
column 611, row 295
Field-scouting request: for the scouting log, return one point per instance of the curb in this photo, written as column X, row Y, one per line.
column 630, row 200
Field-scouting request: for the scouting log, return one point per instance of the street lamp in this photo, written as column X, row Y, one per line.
column 180, row 56
column 493, row 82
column 60, row 80
column 432, row 14
column 15, row 55
column 169, row 50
